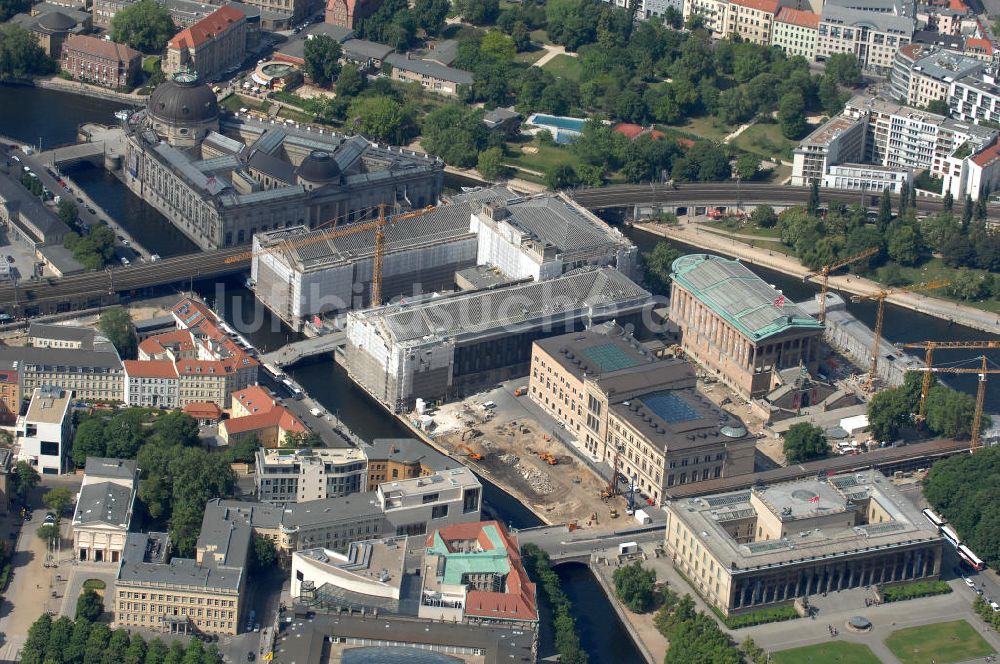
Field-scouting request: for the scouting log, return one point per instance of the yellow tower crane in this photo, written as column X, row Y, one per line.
column 929, row 348
column 982, row 371
column 824, row 274
column 880, row 297
column 376, row 224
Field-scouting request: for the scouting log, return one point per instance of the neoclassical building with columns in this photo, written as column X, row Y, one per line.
column 103, row 511
column 769, row 545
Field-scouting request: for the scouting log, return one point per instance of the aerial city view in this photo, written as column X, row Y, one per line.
column 496, row 331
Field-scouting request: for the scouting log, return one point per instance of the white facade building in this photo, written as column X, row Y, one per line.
column 866, row 177
column 103, row 511
column 151, row 383
column 422, row 504
column 45, row 432
column 795, row 31
column 298, row 476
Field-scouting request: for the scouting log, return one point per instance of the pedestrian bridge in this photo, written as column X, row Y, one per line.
column 291, row 353
column 566, row 546
column 71, row 154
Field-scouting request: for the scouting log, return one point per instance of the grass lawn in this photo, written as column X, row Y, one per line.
column 539, row 36
column 835, row 652
column 935, row 269
column 235, row 102
column 530, row 56
column 564, row 66
column 945, row 642
column 708, row 127
column 149, row 63
column 765, row 140
column 297, row 116
column 548, row 156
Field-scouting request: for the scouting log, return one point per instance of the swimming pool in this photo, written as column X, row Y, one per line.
column 557, row 121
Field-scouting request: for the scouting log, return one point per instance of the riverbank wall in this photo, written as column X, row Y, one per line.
column 953, row 312
column 623, row 615
column 79, row 88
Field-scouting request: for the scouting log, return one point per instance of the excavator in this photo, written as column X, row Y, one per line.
column 475, row 456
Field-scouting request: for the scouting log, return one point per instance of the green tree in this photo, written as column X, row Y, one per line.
column 20, row 55
column 156, row 652
column 24, row 478
column 68, row 212
column 136, row 653
column 804, row 442
column 659, row 265
column 478, row 12
column 792, row 115
column 10, row 7
column 77, row 646
column 967, row 284
column 490, row 164
column 125, row 433
column 635, row 586
column 904, row 244
column 904, row 198
column 58, row 499
column 430, row 15
column 38, row 639
column 748, row 166
column 59, row 638
column 176, row 428
column 812, row 207
column 264, row 554
column 116, row 324
column 118, row 646
column 145, row 26
column 244, row 450
column 561, row 176
column 88, row 440
column 322, row 59
column 844, row 69
column 175, row 654
column 884, row 210
column 89, row 605
column 949, row 201
column 298, row 440
column 95, row 249
column 455, row 133
column 350, row 83
column 888, row 411
column 48, row 532
column 764, row 216
column 949, row 412
column 496, row 44
column 382, row 118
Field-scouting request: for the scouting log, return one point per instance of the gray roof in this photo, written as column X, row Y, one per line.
column 362, row 49
column 444, row 52
column 937, row 38
column 409, row 450
column 110, row 468
column 61, row 259
column 104, row 502
column 43, row 219
column 220, row 513
column 499, row 116
column 677, row 419
column 179, row 572
column 62, row 357
column 555, row 222
column 946, row 66
column 429, row 68
column 155, row 323
column 276, row 168
column 601, row 291
column 84, row 335
column 295, row 47
column 900, row 25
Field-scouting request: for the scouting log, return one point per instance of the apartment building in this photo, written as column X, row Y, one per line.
column 210, row 46
column 737, row 326
column 103, row 513
column 795, row 31
column 44, row 434
column 199, row 381
column 975, row 98
column 10, row 391
column 92, row 375
column 841, row 139
column 712, row 13
column 298, row 476
column 403, row 459
column 99, row 61
column 872, row 36
column 422, row 504
column 923, row 74
column 256, row 413
column 151, row 384
column 752, row 20
column 431, row 75
column 623, row 403
column 43, row 335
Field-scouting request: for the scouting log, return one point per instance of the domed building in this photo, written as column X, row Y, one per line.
column 317, row 170
column 182, row 110
column 51, row 29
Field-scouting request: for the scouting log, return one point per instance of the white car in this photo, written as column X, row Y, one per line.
column 969, row 582
column 315, row 412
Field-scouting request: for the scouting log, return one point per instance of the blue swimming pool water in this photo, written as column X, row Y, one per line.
column 573, row 124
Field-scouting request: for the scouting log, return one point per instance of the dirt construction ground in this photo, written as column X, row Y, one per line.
column 510, row 442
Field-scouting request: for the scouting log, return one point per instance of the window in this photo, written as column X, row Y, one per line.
column 439, row 511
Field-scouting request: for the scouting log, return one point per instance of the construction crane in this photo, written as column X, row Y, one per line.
column 929, row 348
column 376, row 224
column 982, row 371
column 825, row 271
column 880, row 297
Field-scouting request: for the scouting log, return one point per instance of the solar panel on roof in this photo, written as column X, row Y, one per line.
column 610, row 357
column 719, row 501
column 670, row 407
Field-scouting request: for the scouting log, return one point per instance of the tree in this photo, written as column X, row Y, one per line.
column 299, row 440
column 321, row 57
column 764, row 216
column 804, row 442
column 10, row 7
column 884, row 210
column 68, row 212
column 58, row 499
column 747, row 166
column 561, row 176
column 888, row 411
column 244, row 450
column 659, row 265
column 20, row 55
column 136, row 653
column 145, row 26
column 490, row 164
column 48, row 532
column 430, row 15
column 949, row 201
column 176, row 428
column 904, row 198
column 496, row 44
column 455, row 133
column 263, row 554
column 93, row 250
column 844, row 69
column 382, row 118
column 24, row 478
column 939, row 107
column 904, row 243
column 792, row 115
column 478, row 12
column 116, row 324
column 89, row 605
column 950, row 412
column 812, row 207
column 967, row 284
column 125, row 433
column 635, row 586
column 350, row 83
column 156, row 652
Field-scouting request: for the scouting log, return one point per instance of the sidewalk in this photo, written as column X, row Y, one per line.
column 944, row 309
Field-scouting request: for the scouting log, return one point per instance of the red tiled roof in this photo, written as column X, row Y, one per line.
column 177, row 339
column 977, row 44
column 100, row 48
column 256, row 399
column 189, row 312
column 988, row 156
column 201, row 367
column 211, row 26
column 958, row 6
column 801, row 18
column 203, row 410
column 770, row 6
column 685, row 143
column 150, row 369
column 278, row 416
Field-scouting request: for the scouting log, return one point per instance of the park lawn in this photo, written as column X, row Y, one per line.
column 708, row 127
column 835, row 652
column 530, row 56
column 780, row 174
column 934, row 269
column 767, row 141
column 548, row 156
column 297, row 116
column 149, row 64
column 564, row 66
column 235, row 102
column 539, row 36
column 946, row 642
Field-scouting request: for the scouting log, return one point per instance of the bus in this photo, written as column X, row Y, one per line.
column 933, row 518
column 950, row 535
column 969, row 558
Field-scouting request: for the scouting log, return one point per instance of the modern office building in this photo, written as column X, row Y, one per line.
column 737, row 326
column 768, row 546
column 634, row 410
column 422, row 504
column 44, row 434
column 221, row 190
column 103, row 514
column 867, row 177
column 298, row 476
column 441, row 347
column 871, row 35
column 209, row 47
column 840, row 140
column 795, row 31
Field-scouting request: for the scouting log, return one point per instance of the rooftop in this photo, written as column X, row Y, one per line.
column 294, row 48
column 207, row 28
column 143, row 563
column 880, row 22
column 109, row 468
column 49, row 405
column 150, row 369
column 806, row 498
column 407, row 451
column 69, row 359
column 378, row 562
column 829, row 131
column 85, row 336
column 947, row 66
column 732, row 291
column 429, row 68
column 799, row 17
column 679, row 418
column 105, row 503
column 286, row 457
column 456, row 477
column 100, row 47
